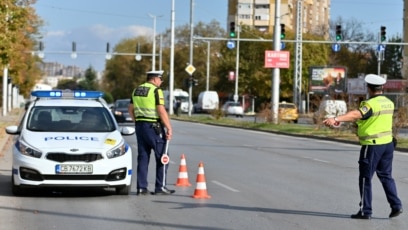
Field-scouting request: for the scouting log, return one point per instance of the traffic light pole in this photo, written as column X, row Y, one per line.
column 380, row 54
column 190, row 87
column 236, row 95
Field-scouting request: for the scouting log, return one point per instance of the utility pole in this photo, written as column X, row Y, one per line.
column 297, row 86
column 276, row 71
column 190, row 87
column 405, row 40
column 171, row 78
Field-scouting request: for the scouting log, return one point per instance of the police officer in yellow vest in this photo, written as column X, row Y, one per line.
column 153, row 130
column 374, row 121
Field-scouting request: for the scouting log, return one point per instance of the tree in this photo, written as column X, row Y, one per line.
column 90, row 82
column 67, row 84
column 21, row 29
column 254, row 79
column 391, row 63
column 123, row 73
column 363, row 58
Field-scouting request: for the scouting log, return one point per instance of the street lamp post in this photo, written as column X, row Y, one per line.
column 172, row 37
column 154, row 42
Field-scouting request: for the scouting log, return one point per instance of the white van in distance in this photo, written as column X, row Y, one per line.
column 180, row 95
column 207, row 101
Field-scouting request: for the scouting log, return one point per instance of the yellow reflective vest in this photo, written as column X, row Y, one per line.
column 377, row 129
column 145, row 99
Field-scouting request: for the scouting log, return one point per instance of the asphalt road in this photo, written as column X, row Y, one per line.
column 256, row 180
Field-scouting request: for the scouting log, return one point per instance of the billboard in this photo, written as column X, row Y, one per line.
column 327, row 80
column 356, row 86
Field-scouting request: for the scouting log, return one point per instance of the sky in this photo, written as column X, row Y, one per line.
column 93, row 23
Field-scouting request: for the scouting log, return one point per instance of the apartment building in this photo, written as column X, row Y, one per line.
column 260, row 14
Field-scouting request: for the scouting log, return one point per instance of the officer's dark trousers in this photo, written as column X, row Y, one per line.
column 377, row 159
column 148, row 140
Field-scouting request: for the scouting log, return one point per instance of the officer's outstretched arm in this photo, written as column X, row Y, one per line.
column 349, row 116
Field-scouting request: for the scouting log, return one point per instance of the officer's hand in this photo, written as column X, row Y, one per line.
column 331, row 122
column 169, row 134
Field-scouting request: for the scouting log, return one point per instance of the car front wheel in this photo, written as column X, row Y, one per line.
column 15, row 189
column 123, row 190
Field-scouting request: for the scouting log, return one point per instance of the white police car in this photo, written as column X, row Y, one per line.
column 70, row 139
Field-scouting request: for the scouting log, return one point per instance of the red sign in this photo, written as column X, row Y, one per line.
column 397, row 85
column 165, row 159
column 276, row 59
column 231, row 76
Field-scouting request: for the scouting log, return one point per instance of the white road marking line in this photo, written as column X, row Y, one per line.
column 315, row 159
column 224, row 186
column 321, row 160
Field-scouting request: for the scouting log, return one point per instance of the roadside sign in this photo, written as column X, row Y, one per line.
column 336, row 47
column 276, row 59
column 282, row 46
column 190, row 69
column 381, row 47
column 230, row 44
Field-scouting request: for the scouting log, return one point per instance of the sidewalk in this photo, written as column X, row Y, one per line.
column 12, row 118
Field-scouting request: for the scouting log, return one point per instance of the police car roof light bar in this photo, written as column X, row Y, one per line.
column 77, row 94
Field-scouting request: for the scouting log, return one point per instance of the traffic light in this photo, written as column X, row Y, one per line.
column 41, row 46
column 232, row 30
column 282, row 34
column 383, row 33
column 107, row 47
column 338, row 33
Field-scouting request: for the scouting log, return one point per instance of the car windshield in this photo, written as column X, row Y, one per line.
column 122, row 103
column 287, row 106
column 235, row 104
column 182, row 98
column 70, row 119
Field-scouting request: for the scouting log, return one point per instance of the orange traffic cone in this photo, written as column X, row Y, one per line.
column 182, row 179
column 201, row 190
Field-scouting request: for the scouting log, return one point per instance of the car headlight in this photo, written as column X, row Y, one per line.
column 27, row 150
column 119, row 150
column 119, row 113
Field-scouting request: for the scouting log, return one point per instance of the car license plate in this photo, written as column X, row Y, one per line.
column 74, row 169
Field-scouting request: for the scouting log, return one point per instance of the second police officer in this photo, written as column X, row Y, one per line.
column 374, row 119
column 153, row 130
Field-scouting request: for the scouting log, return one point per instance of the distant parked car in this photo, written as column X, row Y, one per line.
column 120, row 110
column 288, row 112
column 233, row 108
